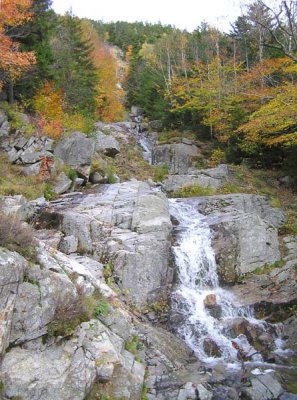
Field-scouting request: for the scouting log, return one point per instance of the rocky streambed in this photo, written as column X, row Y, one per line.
column 115, row 306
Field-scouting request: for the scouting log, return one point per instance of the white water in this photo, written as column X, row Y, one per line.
column 198, row 278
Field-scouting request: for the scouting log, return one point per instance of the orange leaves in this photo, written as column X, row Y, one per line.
column 48, row 104
column 14, row 12
column 109, row 100
column 52, row 118
column 13, row 62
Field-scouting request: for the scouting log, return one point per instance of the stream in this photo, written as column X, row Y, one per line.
column 208, row 310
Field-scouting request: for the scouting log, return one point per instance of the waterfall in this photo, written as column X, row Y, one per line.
column 198, row 281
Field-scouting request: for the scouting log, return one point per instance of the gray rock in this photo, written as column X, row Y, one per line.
column 204, row 394
column 2, row 117
column 188, row 392
column 94, row 267
column 31, row 169
column 178, row 157
column 39, row 298
column 13, row 155
column 68, row 244
column 68, row 370
column 30, row 157
column 245, row 232
column 95, row 177
column 288, row 396
column 12, row 268
column 212, row 178
column 107, row 145
column 4, row 128
column 290, row 243
column 18, row 205
column 76, row 151
column 63, row 184
column 128, row 224
column 264, row 387
column 77, row 183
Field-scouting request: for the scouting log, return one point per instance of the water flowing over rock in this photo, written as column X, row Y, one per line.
column 246, row 235
column 198, row 292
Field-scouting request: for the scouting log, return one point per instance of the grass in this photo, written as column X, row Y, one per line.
column 175, row 136
column 134, row 345
column 17, row 236
column 192, row 191
column 268, row 267
column 83, row 308
column 14, row 182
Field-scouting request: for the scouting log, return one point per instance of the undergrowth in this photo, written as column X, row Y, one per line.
column 17, row 236
column 14, row 182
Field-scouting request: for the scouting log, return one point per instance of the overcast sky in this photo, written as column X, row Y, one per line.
column 186, row 14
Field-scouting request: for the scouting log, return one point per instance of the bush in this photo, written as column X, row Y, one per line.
column 160, row 173
column 83, row 308
column 192, row 191
column 217, row 157
column 17, row 236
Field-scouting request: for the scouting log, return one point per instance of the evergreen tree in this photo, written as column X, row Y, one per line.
column 36, row 37
column 73, row 69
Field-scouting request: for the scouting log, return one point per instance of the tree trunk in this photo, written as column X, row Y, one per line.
column 10, row 93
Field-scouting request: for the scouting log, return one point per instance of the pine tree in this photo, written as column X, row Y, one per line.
column 73, row 68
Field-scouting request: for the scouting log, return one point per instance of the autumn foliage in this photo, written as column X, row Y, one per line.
column 109, row 99
column 12, row 61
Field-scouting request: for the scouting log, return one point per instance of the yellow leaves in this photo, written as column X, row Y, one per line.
column 274, row 123
column 53, row 120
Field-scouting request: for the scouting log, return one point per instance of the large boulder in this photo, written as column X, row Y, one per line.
column 69, row 369
column 129, row 225
column 245, row 232
column 107, row 144
column 77, row 151
column 212, row 178
column 178, row 157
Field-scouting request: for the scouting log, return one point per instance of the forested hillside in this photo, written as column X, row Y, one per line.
column 236, row 89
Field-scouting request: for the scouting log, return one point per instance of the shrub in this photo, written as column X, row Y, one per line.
column 83, row 308
column 13, row 181
column 134, row 345
column 17, row 236
column 217, row 157
column 160, row 173
column 192, row 191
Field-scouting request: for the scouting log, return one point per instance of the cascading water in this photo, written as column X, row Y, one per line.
column 198, row 281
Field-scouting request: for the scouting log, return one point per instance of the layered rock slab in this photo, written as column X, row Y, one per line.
column 129, row 225
column 245, row 232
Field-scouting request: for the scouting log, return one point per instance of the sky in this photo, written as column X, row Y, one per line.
column 184, row 14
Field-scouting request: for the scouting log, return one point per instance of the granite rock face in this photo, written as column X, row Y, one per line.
column 245, row 232
column 107, row 144
column 212, row 178
column 68, row 370
column 178, row 157
column 127, row 224
column 76, row 151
